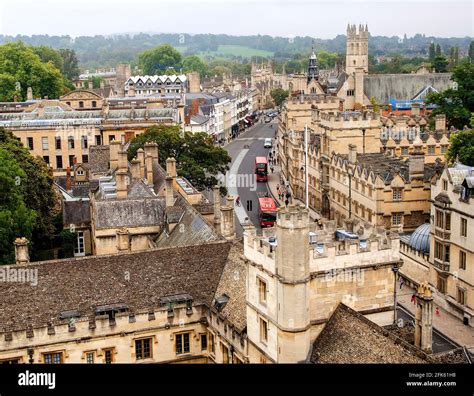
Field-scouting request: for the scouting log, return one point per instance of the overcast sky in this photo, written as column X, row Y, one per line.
column 316, row 18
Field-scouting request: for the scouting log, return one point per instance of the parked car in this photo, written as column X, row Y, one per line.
column 268, row 143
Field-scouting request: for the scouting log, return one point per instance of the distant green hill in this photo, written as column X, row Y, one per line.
column 105, row 51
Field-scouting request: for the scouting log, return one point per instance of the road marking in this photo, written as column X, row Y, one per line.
column 234, row 169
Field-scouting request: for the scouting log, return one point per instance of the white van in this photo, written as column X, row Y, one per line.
column 268, row 143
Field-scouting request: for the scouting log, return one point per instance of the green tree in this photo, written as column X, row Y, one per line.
column 197, row 158
column 432, row 52
column 375, row 104
column 327, row 60
column 461, row 148
column 440, row 64
column 39, row 193
column 16, row 220
column 278, row 95
column 471, row 52
column 70, row 63
column 158, row 60
column 457, row 103
column 48, row 54
column 438, row 50
column 193, row 63
column 21, row 67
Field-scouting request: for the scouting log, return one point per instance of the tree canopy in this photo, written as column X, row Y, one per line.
column 160, row 59
column 457, row 103
column 193, row 63
column 278, row 95
column 197, row 158
column 461, row 148
column 16, row 220
column 37, row 187
column 22, row 67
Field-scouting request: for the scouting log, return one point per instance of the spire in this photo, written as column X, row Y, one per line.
column 313, row 72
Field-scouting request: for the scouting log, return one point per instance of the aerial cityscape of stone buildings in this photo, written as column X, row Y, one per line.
column 161, row 271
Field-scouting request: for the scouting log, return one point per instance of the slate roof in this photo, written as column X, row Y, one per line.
column 131, row 212
column 192, row 228
column 99, row 157
column 349, row 337
column 388, row 166
column 232, row 284
column 76, row 212
column 83, row 283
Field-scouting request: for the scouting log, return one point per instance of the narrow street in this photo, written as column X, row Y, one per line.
column 243, row 151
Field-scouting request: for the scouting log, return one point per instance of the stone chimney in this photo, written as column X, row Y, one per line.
column 217, row 205
column 141, row 159
column 115, row 147
column 121, row 177
column 68, row 179
column 151, row 148
column 194, row 82
column 122, row 162
column 227, row 218
column 29, row 93
column 415, row 109
column 352, row 154
column 169, row 191
column 424, row 318
column 90, row 85
column 416, row 165
column 440, row 122
column 171, row 167
column 21, row 251
column 131, row 90
column 102, row 84
column 123, row 240
column 135, row 169
column 149, row 169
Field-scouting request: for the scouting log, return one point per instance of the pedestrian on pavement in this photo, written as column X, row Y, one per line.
column 272, row 168
column 413, row 299
column 437, row 311
column 286, row 202
column 237, row 200
column 401, row 283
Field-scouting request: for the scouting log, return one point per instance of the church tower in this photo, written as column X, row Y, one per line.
column 357, row 49
column 312, row 67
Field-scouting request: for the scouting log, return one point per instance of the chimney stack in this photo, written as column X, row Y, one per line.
column 352, row 154
column 122, row 162
column 440, row 122
column 90, row 85
column 141, row 159
column 21, row 251
column 424, row 318
column 169, row 191
column 171, row 167
column 217, row 205
column 115, row 147
column 68, row 179
column 29, row 94
column 416, row 165
column 151, row 148
column 123, row 240
column 121, row 177
column 102, row 84
column 415, row 109
column 149, row 169
column 227, row 218
column 131, row 90
column 135, row 169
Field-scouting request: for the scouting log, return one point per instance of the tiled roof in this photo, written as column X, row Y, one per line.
column 232, row 284
column 83, row 283
column 349, row 337
column 76, row 212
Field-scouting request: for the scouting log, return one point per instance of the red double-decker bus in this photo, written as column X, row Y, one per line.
column 261, row 169
column 267, row 211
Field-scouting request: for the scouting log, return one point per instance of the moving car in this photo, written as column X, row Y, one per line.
column 268, row 143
